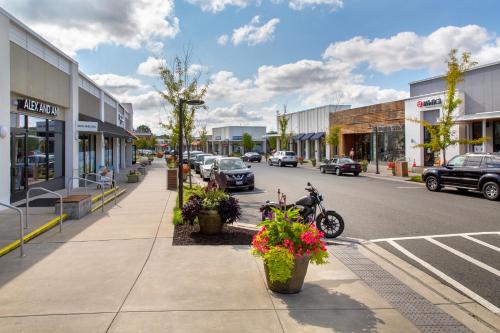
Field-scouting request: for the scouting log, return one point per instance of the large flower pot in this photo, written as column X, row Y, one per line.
column 294, row 284
column 210, row 222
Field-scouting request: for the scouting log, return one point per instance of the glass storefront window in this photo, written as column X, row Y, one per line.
column 496, row 136
column 55, row 149
column 36, row 150
column 87, row 154
column 391, row 145
column 108, row 152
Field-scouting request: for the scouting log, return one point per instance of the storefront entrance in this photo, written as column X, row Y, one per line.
column 87, row 154
column 37, row 154
column 496, row 136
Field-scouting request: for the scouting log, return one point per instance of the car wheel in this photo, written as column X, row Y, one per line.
column 338, row 172
column 251, row 188
column 322, row 170
column 432, row 184
column 356, row 174
column 294, row 165
column 279, row 163
column 269, row 163
column 491, row 191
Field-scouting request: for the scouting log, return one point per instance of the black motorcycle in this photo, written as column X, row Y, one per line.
column 327, row 221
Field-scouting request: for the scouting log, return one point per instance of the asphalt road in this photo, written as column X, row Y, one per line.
column 375, row 209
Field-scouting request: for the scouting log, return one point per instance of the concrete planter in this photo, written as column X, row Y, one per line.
column 210, row 222
column 133, row 178
column 294, row 284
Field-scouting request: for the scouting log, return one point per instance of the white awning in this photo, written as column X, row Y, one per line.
column 479, row 116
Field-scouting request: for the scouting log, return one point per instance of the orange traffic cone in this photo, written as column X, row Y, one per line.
column 414, row 165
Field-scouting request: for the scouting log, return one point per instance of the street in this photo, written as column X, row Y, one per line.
column 380, row 210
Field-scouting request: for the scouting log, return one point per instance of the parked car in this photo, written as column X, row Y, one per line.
column 283, row 158
column 252, row 157
column 198, row 161
column 206, row 166
column 232, row 173
column 340, row 166
column 192, row 155
column 472, row 171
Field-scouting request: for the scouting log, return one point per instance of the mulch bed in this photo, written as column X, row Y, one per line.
column 186, row 234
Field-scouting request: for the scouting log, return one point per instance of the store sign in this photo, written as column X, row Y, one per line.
column 429, row 102
column 37, row 106
column 237, row 137
column 217, row 137
column 86, row 126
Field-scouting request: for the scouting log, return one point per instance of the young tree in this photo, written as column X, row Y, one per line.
column 333, row 137
column 284, row 136
column 272, row 142
column 442, row 135
column 203, row 137
column 247, row 142
column 179, row 84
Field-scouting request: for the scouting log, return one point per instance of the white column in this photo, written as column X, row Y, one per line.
column 264, row 146
column 299, row 148
column 328, row 151
column 316, row 150
column 483, row 134
column 307, row 150
column 116, row 156
column 278, row 147
column 230, row 148
column 101, row 106
column 5, row 110
column 123, row 163
column 99, row 147
column 71, row 117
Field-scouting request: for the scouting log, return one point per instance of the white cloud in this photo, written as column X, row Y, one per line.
column 150, row 67
column 79, row 25
column 197, row 69
column 215, row 6
column 225, row 86
column 116, row 84
column 234, row 114
column 301, row 4
column 222, row 39
column 407, row 50
column 253, row 34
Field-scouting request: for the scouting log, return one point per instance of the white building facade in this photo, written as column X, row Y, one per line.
column 307, row 130
column 228, row 140
column 478, row 115
column 55, row 122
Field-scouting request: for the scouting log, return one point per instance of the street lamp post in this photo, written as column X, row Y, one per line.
column 193, row 102
column 376, row 150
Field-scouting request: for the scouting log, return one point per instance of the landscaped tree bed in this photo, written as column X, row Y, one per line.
column 187, row 234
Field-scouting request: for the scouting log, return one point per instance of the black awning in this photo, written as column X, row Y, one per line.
column 318, row 136
column 307, row 136
column 107, row 128
column 298, row 137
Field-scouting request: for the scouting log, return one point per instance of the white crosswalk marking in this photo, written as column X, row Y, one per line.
column 488, row 245
column 464, row 256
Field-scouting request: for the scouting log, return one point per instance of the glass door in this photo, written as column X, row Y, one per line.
column 496, row 136
column 18, row 162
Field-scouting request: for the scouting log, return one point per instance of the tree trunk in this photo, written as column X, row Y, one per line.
column 444, row 157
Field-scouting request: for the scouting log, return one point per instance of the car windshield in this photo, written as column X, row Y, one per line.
column 345, row 160
column 232, row 164
column 290, row 153
column 209, row 160
column 200, row 157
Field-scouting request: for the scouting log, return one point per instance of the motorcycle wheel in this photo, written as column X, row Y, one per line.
column 330, row 223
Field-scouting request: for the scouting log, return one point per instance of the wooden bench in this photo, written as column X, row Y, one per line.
column 76, row 206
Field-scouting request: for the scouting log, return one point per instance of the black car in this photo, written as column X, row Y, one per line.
column 252, row 157
column 478, row 172
column 198, row 161
column 232, row 173
column 340, row 166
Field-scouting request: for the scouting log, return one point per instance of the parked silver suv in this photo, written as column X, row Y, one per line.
column 282, row 158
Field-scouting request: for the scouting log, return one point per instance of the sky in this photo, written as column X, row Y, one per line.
column 257, row 56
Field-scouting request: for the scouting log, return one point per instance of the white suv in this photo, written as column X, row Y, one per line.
column 283, row 158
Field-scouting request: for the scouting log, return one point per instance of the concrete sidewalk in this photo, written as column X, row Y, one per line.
column 120, row 273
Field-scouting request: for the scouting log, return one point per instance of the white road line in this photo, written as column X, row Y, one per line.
column 436, row 236
column 464, row 256
column 482, row 243
column 446, row 278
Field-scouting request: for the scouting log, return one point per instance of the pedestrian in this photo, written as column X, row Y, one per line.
column 351, row 154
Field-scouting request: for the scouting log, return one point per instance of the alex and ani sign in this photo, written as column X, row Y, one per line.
column 429, row 102
column 37, row 106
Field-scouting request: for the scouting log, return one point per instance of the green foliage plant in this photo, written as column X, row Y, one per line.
column 333, row 137
column 247, row 142
column 442, row 135
column 282, row 239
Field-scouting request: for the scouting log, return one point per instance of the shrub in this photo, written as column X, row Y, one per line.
column 229, row 210
column 416, row 178
column 313, row 162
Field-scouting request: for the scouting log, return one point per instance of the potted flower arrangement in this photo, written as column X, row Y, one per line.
column 286, row 247
column 313, row 162
column 212, row 208
column 133, row 176
column 364, row 165
column 301, row 160
column 186, row 169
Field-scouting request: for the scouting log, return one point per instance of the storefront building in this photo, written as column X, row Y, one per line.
column 43, row 97
column 477, row 116
column 307, row 131
column 371, row 130
column 228, row 140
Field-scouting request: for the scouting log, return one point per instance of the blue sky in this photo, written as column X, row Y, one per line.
column 303, row 53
